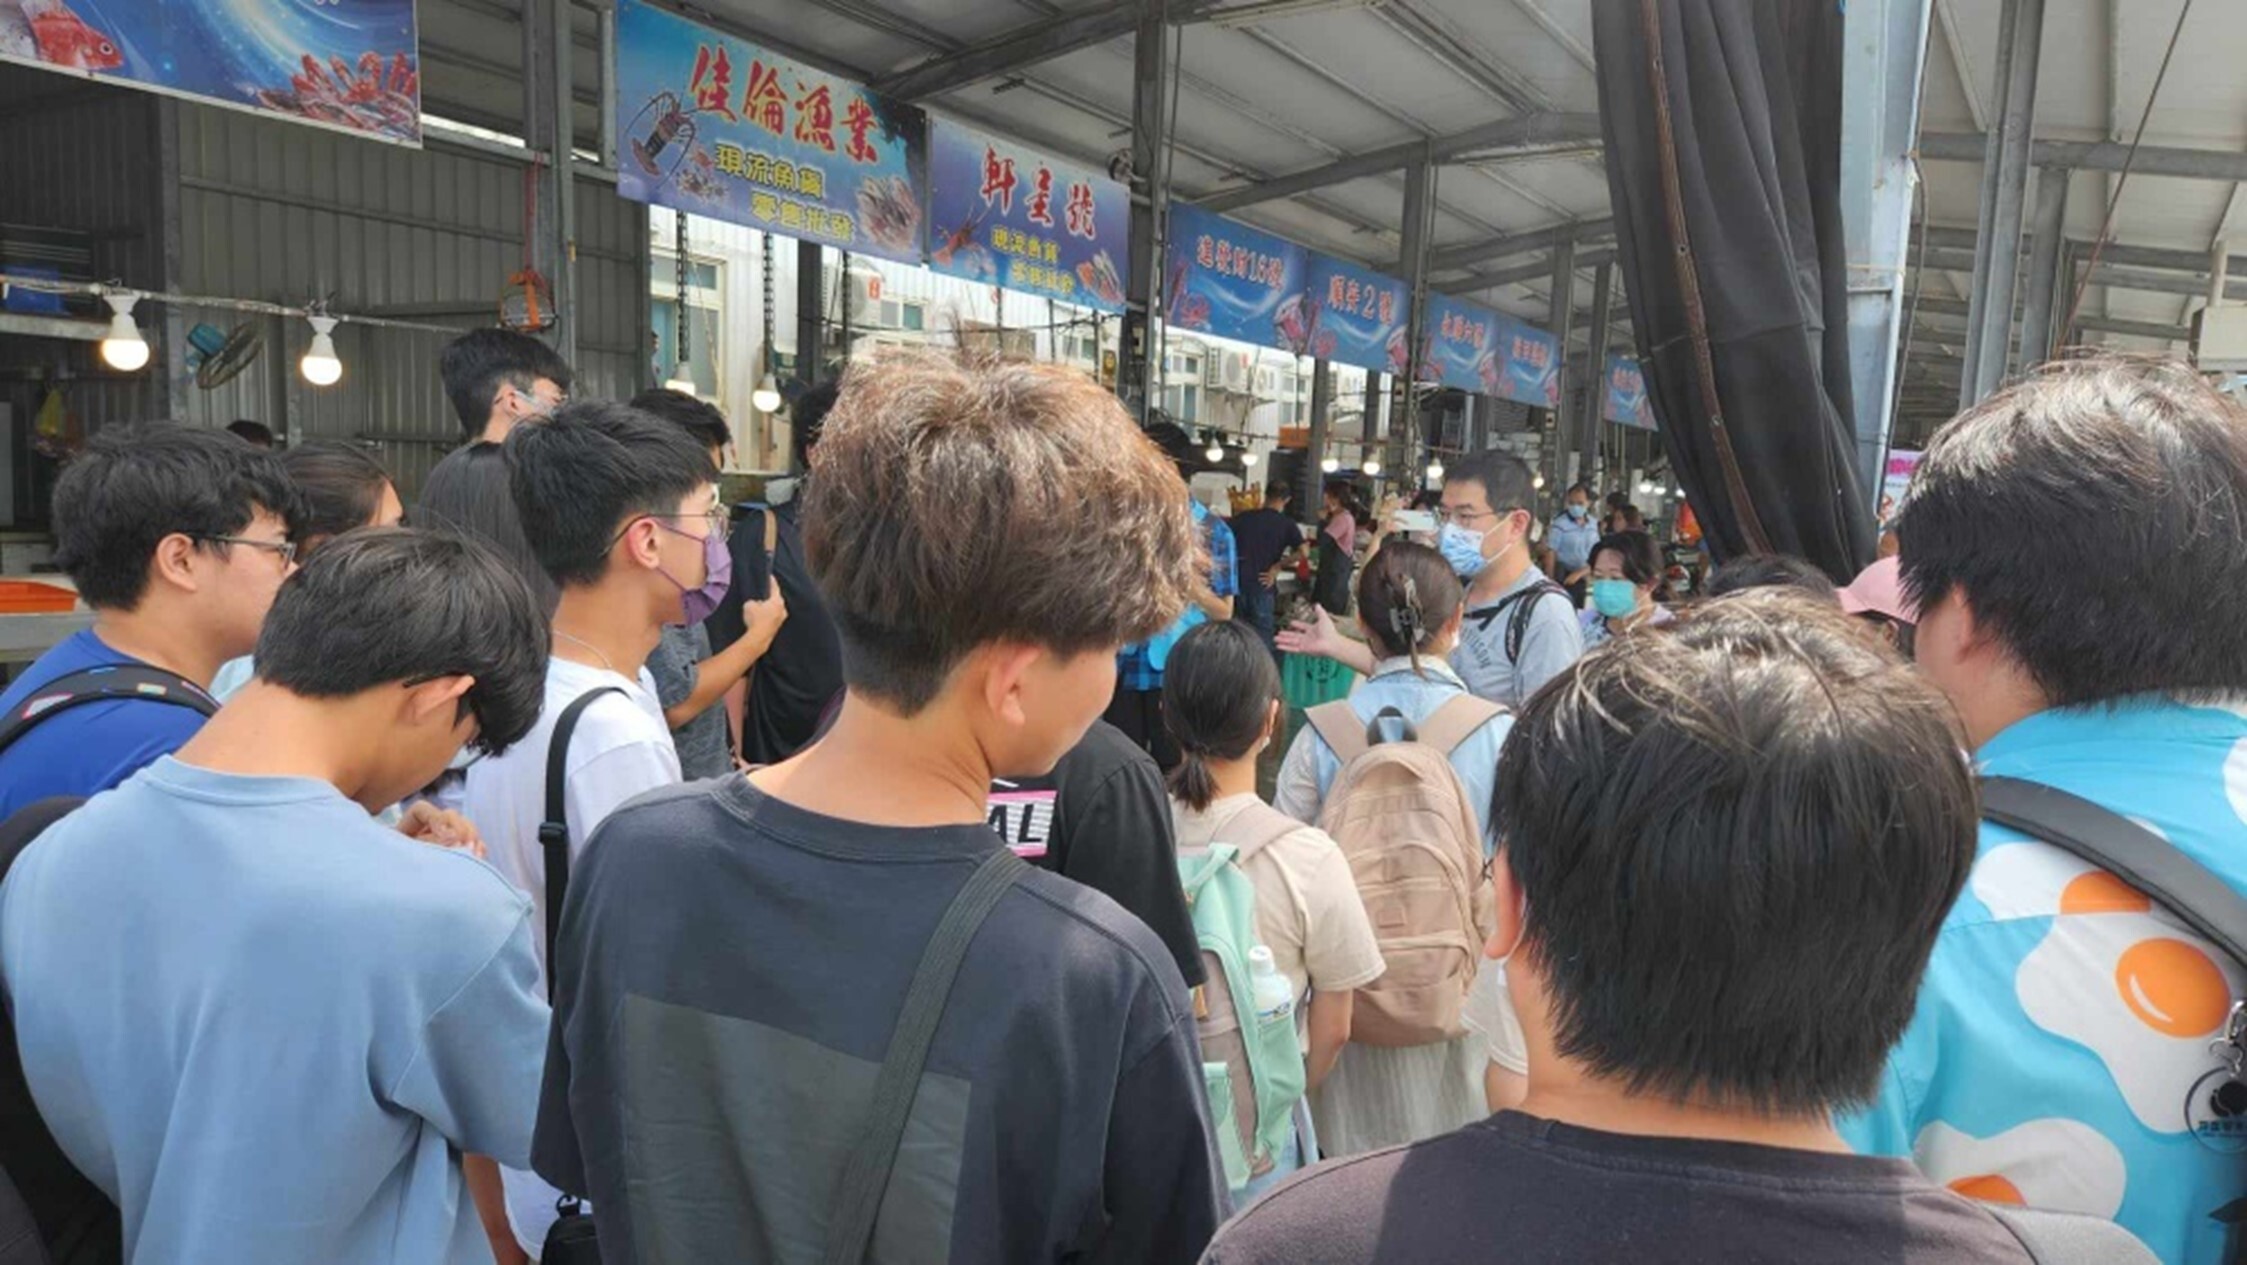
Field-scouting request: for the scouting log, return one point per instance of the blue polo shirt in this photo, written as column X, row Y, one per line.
column 1572, row 540
column 2060, row 1053
column 90, row 748
column 1135, row 671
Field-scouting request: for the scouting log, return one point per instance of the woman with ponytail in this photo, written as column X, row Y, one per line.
column 1411, row 607
column 1221, row 702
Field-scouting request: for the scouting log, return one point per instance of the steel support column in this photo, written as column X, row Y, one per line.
column 1307, row 484
column 1138, row 366
column 1885, row 43
column 2041, row 308
column 548, row 54
column 1594, row 375
column 811, row 311
column 1560, row 316
column 1412, row 265
column 2005, row 175
column 1369, row 425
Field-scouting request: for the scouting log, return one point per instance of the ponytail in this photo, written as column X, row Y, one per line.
column 1193, row 783
column 1407, row 596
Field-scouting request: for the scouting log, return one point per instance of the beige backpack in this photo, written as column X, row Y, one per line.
column 1414, row 845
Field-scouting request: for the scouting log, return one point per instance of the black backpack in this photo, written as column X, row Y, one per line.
column 49, row 1211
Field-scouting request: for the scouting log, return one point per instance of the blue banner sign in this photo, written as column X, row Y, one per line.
column 1625, row 399
column 1234, row 281
column 1006, row 214
column 1358, row 316
column 718, row 126
column 1473, row 348
column 350, row 65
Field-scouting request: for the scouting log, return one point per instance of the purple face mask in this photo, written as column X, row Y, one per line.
column 699, row 604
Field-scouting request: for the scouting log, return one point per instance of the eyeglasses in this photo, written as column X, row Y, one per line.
column 1465, row 517
column 718, row 517
column 284, row 549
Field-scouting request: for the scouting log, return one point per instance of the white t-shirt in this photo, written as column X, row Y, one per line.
column 1490, row 1013
column 620, row 749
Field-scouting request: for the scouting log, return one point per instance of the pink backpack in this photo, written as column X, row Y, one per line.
column 1414, row 845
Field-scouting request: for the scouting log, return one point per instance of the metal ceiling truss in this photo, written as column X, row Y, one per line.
column 1544, row 129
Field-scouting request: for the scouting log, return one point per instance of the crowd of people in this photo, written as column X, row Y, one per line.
column 881, row 870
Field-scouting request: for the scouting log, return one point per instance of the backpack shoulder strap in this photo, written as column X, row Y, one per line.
column 28, row 823
column 2068, row 1238
column 772, row 531
column 554, row 830
column 1261, row 826
column 1456, row 721
column 97, row 685
column 1337, row 722
column 1525, row 607
column 865, row 1178
column 2128, row 850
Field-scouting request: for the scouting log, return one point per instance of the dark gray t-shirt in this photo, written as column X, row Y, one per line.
column 701, row 741
column 1516, row 1189
column 730, row 970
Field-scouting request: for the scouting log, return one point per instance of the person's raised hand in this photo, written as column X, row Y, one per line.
column 1316, row 636
column 424, row 822
column 761, row 619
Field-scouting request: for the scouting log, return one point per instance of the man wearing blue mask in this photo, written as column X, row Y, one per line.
column 1572, row 535
column 1520, row 628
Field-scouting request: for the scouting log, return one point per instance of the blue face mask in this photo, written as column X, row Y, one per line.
column 1462, row 549
column 1614, row 598
column 1577, row 512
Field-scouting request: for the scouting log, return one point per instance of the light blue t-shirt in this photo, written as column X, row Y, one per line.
column 2059, row 1056
column 267, row 1026
column 1311, row 765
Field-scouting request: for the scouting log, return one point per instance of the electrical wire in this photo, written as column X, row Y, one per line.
column 2114, row 203
column 49, row 285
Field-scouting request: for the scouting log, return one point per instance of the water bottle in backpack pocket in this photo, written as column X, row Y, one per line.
column 1252, row 1057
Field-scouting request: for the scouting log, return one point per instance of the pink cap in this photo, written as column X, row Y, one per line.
column 1879, row 590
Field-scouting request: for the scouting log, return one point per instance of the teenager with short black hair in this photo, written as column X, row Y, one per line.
column 1691, row 1034
column 255, row 434
column 690, row 681
column 622, row 510
column 1062, row 1111
column 1521, row 629
column 178, row 539
column 313, row 1016
column 2074, row 564
column 496, row 379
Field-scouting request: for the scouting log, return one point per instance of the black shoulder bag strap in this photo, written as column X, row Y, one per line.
column 858, row 1195
column 101, row 685
column 1518, row 628
column 2126, row 849
column 554, row 831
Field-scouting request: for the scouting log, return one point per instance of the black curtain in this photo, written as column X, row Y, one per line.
column 1722, row 120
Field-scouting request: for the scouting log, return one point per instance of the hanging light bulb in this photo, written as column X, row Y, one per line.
column 1216, row 451
column 1371, row 467
column 1247, row 458
column 123, row 347
column 1435, row 470
column 766, row 398
column 1538, row 483
column 1646, row 487
column 1330, row 465
column 320, row 366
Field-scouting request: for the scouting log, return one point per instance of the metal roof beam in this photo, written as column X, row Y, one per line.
column 2152, row 160
column 1057, row 36
column 1539, row 271
column 1931, row 306
column 1453, row 258
column 1529, row 129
